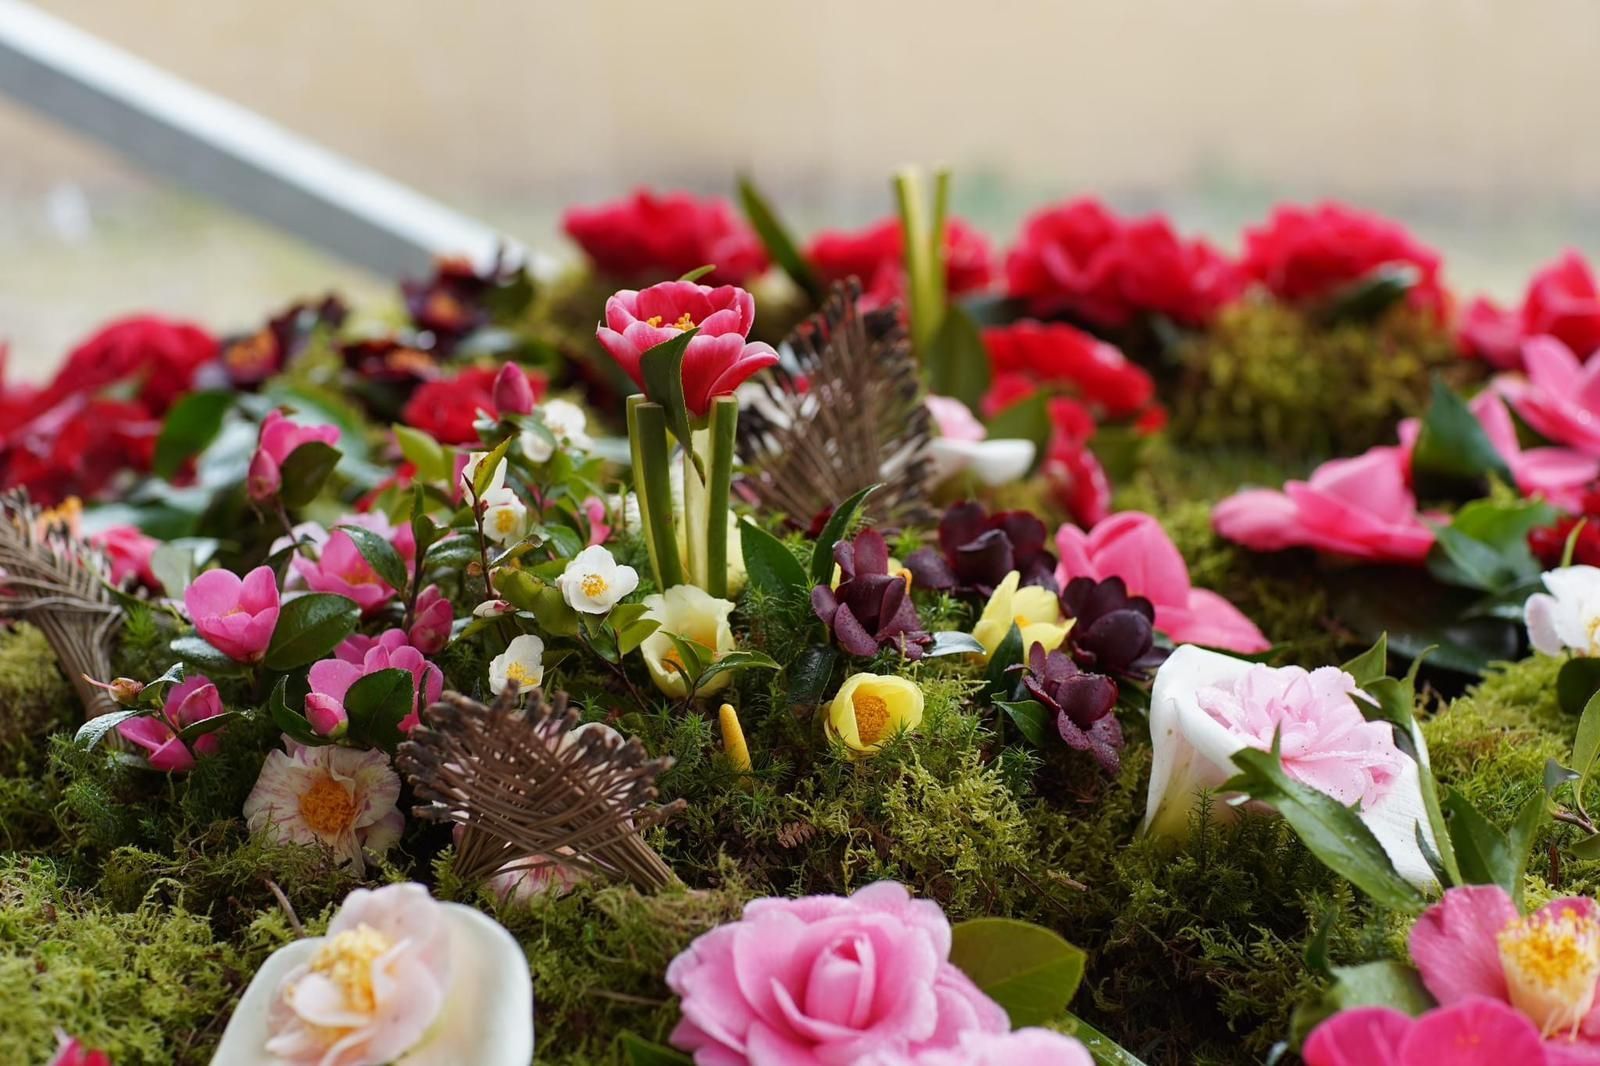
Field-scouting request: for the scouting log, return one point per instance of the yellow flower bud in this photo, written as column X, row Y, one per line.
column 733, row 744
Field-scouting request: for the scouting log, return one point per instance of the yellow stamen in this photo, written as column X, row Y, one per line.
column 872, row 716
column 1551, row 965
column 505, row 520
column 684, row 322
column 733, row 744
column 327, row 806
column 518, row 673
column 593, row 585
column 654, row 321
column 346, row 959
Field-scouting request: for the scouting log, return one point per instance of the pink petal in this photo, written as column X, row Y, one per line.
column 1211, row 621
column 1454, row 944
column 1259, row 519
column 1363, row 1036
column 1474, row 1032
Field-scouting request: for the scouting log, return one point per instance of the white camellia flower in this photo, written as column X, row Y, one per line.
column 594, row 581
column 399, row 977
column 567, row 424
column 1568, row 616
column 505, row 516
column 693, row 614
column 963, row 444
column 1205, row 706
column 522, row 662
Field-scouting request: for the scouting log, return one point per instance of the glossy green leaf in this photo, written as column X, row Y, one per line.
column 97, row 728
column 1027, row 969
column 662, row 368
column 1367, row 298
column 290, row 721
column 1485, row 854
column 1102, row 1049
column 305, row 471
column 835, row 530
column 195, row 651
column 780, row 246
column 1453, row 454
column 1485, row 546
column 809, row 675
column 1027, row 419
column 735, row 661
column 642, row 1052
column 697, row 273
column 1371, row 664
column 380, row 555
column 426, row 454
column 1374, row 984
column 951, row 642
column 1577, row 682
column 483, row 473
column 772, row 568
column 376, row 703
column 309, row 628
column 1031, row 718
column 957, row 363
column 1000, row 680
column 190, row 426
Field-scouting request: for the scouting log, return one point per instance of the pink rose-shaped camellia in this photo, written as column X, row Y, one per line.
column 1472, row 1032
column 331, row 679
column 876, row 255
column 718, row 359
column 340, row 568
column 1559, row 397
column 1134, row 547
column 192, row 700
column 278, row 440
column 1562, row 301
column 827, row 981
column 235, row 615
column 1473, row 943
column 1362, row 507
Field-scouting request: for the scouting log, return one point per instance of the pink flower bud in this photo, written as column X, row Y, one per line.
column 512, row 393
column 265, row 479
column 72, row 1053
column 326, row 714
column 430, row 629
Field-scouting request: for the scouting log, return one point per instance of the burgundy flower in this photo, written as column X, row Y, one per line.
column 1082, row 704
column 977, row 550
column 455, row 301
column 389, row 360
column 871, row 608
column 1113, row 632
column 649, row 236
column 1059, row 356
column 250, row 359
column 876, row 255
column 448, row 409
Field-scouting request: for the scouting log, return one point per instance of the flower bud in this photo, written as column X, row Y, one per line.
column 512, row 394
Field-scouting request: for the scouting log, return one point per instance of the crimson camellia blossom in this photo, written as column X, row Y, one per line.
column 1027, row 355
column 1310, row 253
column 876, row 255
column 718, row 359
column 447, row 409
column 667, row 234
column 1562, row 301
column 158, row 356
column 1071, row 470
column 1080, row 258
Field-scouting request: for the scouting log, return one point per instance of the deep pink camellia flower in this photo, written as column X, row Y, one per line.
column 828, row 981
column 341, row 569
column 1310, row 253
column 235, row 615
column 72, row 1053
column 128, row 550
column 279, row 438
column 430, row 624
column 1059, row 356
column 192, row 700
column 331, row 679
column 1133, row 546
column 876, row 255
column 1562, row 301
column 1559, row 396
column 1024, row 1047
column 1071, row 470
column 1361, row 507
column 1472, row 1032
column 668, row 234
column 719, row 357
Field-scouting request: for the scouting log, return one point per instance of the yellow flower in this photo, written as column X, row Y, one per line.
column 693, row 614
column 1036, row 612
column 871, row 708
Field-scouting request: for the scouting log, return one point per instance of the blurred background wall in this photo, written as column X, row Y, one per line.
column 1472, row 120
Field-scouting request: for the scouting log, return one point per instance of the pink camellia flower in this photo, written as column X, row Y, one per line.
column 235, row 615
column 1560, row 396
column 128, row 550
column 1472, row 1032
column 69, row 1052
column 1024, row 1047
column 1473, row 943
column 1562, row 301
column 1492, row 333
column 1362, row 507
column 430, row 624
column 331, row 680
column 341, row 798
column 194, row 699
column 1560, row 475
column 513, row 395
column 1134, row 547
column 827, row 981
column 340, row 568
column 278, row 440
column 719, row 357
column 876, row 255
column 594, row 509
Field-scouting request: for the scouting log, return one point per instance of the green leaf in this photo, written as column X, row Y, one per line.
column 1529, row 820
column 1556, row 775
column 956, row 361
column 1027, row 969
column 734, row 661
column 772, row 568
column 642, row 1052
column 1578, row 680
column 483, row 474
column 951, row 642
column 290, row 721
column 1484, row 853
column 781, row 248
column 697, row 273
column 195, row 651
column 692, row 658
column 1368, row 297
column 195, row 730
column 304, row 472
column 1586, row 745
column 630, row 636
column 1102, row 1049
column 810, row 673
column 837, row 527
column 379, row 554
column 1329, row 830
column 1027, row 419
column 999, row 679
column 1485, row 546
column 1418, row 613
column 1374, row 984
column 1031, row 718
column 662, row 368
column 1371, row 664
column 192, row 424
column 309, row 627
column 376, row 703
column 176, row 562
column 1453, row 454
column 423, row 452
column 95, row 729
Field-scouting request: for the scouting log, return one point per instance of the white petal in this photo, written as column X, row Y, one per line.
column 1394, row 819
column 995, row 462
column 1192, row 750
column 1540, row 614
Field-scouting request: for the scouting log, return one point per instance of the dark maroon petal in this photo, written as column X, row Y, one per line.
column 962, row 524
column 892, row 596
column 825, row 603
column 844, row 553
column 1038, row 571
column 1115, row 642
column 986, row 560
column 851, row 636
column 929, row 569
column 1037, row 690
column 1086, row 698
column 1027, row 532
column 1076, row 594
column 1105, row 740
column 1075, row 737
column 1038, row 659
column 872, row 554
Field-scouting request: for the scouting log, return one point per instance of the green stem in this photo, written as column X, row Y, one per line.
column 937, row 269
column 920, row 295
column 724, row 426
column 695, row 502
column 647, row 435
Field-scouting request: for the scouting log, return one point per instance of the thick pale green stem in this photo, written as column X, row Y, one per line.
column 647, row 435
column 938, row 284
column 921, row 295
column 694, row 516
column 724, row 427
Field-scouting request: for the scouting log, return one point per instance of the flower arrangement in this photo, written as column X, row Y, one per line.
column 861, row 669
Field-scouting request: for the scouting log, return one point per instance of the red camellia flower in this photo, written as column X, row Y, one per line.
column 1028, row 355
column 1303, row 253
column 1562, row 301
column 1080, row 258
column 446, row 409
column 1071, row 469
column 650, row 234
column 718, row 359
column 158, row 355
column 876, row 255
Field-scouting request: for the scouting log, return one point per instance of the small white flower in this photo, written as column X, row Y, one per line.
column 1568, row 616
column 567, row 425
column 505, row 517
column 593, row 581
column 521, row 662
column 469, row 474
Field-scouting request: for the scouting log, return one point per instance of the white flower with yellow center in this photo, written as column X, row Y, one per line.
column 1551, row 963
column 567, row 425
column 1035, row 611
column 594, row 581
column 505, row 517
column 871, row 708
column 695, row 615
column 338, row 797
column 469, row 474
column 1568, row 616
column 522, row 662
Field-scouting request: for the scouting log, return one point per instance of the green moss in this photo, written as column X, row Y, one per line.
column 34, row 697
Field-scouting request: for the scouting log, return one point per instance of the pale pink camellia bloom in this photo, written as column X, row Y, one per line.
column 963, row 444
column 718, row 358
column 1133, row 546
column 1361, row 507
column 1023, row 1047
column 339, row 566
column 1559, row 396
column 235, row 615
column 431, row 622
column 194, row 699
column 398, row 978
column 1546, row 965
column 517, row 882
column 827, row 981
column 1560, row 475
column 1206, row 706
column 1471, row 1032
column 279, row 438
column 357, row 657
column 70, row 1052
column 339, row 797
